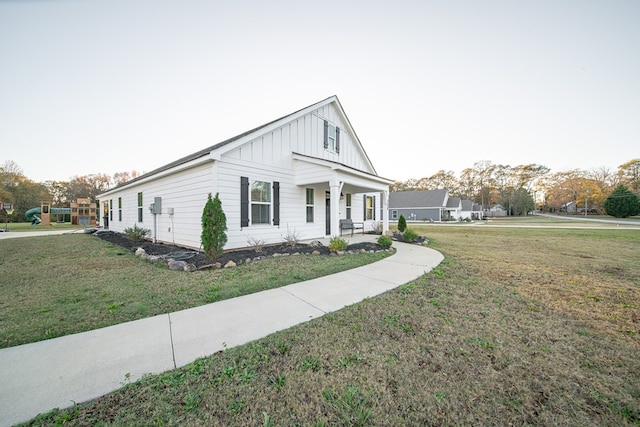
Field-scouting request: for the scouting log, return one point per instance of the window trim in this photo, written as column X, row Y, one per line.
column 140, row 207
column 265, row 190
column 369, row 209
column 331, row 142
column 310, row 205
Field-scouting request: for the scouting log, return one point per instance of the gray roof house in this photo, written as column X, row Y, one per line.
column 431, row 205
column 423, row 205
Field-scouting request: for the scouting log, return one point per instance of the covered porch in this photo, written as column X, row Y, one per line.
column 349, row 193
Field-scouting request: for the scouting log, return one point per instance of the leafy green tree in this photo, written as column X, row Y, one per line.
column 402, row 224
column 214, row 227
column 622, row 203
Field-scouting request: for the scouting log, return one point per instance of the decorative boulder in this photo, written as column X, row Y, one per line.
column 177, row 265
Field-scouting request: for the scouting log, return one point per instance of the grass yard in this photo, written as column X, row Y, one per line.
column 515, row 327
column 58, row 285
column 26, row 226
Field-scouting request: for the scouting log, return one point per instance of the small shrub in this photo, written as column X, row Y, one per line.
column 292, row 237
column 385, row 241
column 402, row 224
column 256, row 244
column 337, row 244
column 409, row 235
column 136, row 234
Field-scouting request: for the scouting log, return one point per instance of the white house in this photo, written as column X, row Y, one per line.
column 299, row 174
column 471, row 210
column 454, row 208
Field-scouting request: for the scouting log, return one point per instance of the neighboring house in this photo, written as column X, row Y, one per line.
column 422, row 205
column 477, row 212
column 297, row 175
column 471, row 210
column 496, row 210
column 454, row 209
column 570, row 207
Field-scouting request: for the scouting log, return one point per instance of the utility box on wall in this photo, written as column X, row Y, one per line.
column 156, row 207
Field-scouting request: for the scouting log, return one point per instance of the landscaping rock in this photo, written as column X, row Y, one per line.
column 140, row 252
column 230, row 264
column 177, row 265
column 190, row 267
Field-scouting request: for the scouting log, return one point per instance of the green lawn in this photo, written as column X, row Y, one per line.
column 63, row 284
column 515, row 327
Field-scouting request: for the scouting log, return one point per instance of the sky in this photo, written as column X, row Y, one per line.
column 91, row 86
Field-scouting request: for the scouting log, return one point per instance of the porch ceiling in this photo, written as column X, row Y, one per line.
column 311, row 171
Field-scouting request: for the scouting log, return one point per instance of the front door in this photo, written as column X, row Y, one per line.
column 328, row 214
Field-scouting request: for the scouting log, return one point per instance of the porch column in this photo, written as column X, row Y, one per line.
column 335, row 187
column 385, row 212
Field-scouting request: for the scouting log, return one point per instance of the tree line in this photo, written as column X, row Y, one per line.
column 523, row 188
column 25, row 194
column 519, row 189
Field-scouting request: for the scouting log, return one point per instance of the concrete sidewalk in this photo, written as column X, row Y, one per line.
column 35, row 378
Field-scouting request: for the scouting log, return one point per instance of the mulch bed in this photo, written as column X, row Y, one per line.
column 238, row 256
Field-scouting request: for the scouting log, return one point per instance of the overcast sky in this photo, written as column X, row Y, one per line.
column 91, row 86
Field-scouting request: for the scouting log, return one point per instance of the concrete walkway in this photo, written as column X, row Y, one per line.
column 35, row 378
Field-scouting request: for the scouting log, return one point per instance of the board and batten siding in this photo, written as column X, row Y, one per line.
column 304, row 135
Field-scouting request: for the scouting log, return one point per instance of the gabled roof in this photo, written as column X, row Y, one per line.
column 209, row 151
column 467, row 205
column 453, row 202
column 418, row 199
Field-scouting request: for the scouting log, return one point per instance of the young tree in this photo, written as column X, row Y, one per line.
column 622, row 203
column 214, row 226
column 402, row 224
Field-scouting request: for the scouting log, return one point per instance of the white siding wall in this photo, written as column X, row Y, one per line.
column 292, row 205
column 186, row 192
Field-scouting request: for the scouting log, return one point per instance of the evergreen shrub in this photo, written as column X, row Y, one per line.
column 402, row 224
column 214, row 227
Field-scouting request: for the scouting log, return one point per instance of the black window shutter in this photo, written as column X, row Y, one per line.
column 364, row 204
column 276, row 203
column 326, row 134
column 244, row 201
column 338, row 140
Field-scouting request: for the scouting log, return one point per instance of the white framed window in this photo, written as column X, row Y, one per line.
column 120, row 209
column 140, row 209
column 369, row 208
column 331, row 137
column 309, row 202
column 260, row 202
column 348, row 204
column 394, row 214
